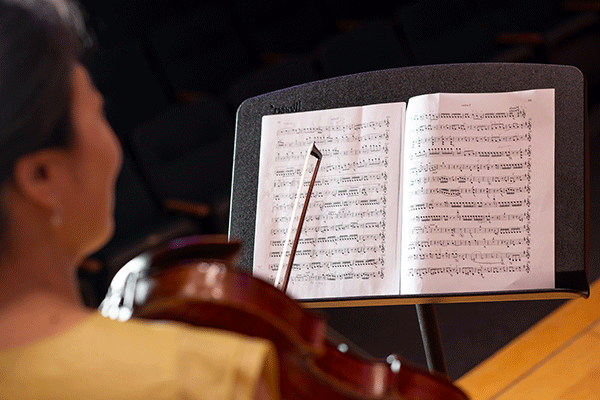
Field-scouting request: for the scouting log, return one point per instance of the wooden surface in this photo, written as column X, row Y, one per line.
column 558, row 358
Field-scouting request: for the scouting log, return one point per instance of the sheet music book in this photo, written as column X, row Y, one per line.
column 446, row 193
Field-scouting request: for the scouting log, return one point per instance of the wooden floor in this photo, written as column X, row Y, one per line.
column 558, row 358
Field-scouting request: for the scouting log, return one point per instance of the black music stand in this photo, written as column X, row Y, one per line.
column 394, row 85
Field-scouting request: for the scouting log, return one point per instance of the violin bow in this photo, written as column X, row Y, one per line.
column 313, row 151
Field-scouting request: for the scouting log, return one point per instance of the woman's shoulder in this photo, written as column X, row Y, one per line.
column 174, row 337
column 132, row 357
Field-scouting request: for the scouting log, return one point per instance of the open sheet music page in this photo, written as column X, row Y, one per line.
column 348, row 244
column 457, row 197
column 478, row 192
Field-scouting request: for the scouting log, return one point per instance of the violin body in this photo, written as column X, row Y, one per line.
column 314, row 362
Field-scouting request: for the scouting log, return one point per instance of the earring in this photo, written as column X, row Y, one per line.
column 56, row 219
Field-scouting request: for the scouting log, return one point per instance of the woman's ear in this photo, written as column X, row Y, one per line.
column 38, row 177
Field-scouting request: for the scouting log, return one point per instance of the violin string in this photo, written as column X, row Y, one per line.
column 290, row 227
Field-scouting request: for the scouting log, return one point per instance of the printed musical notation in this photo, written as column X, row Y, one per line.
column 347, row 265
column 513, row 112
column 330, row 277
column 343, row 215
column 480, row 271
column 459, row 152
column 470, row 179
column 350, row 138
column 475, row 192
column 469, row 242
column 432, row 205
column 335, row 228
column 338, row 239
column 365, row 149
column 469, row 209
column 417, row 168
column 450, row 140
column 477, row 257
column 445, row 241
column 478, row 218
column 469, row 231
column 351, row 204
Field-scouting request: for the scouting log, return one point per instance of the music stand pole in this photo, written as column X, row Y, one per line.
column 432, row 341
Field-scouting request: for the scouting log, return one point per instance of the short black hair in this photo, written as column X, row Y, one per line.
column 37, row 52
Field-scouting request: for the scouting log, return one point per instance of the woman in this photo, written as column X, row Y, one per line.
column 59, row 161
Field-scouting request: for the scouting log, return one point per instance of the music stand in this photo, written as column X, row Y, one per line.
column 394, row 85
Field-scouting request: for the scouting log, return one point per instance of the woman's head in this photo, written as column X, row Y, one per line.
column 36, row 53
column 58, row 156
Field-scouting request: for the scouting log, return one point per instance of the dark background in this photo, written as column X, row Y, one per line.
column 173, row 73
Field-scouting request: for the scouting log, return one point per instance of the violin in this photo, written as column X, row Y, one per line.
column 191, row 281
